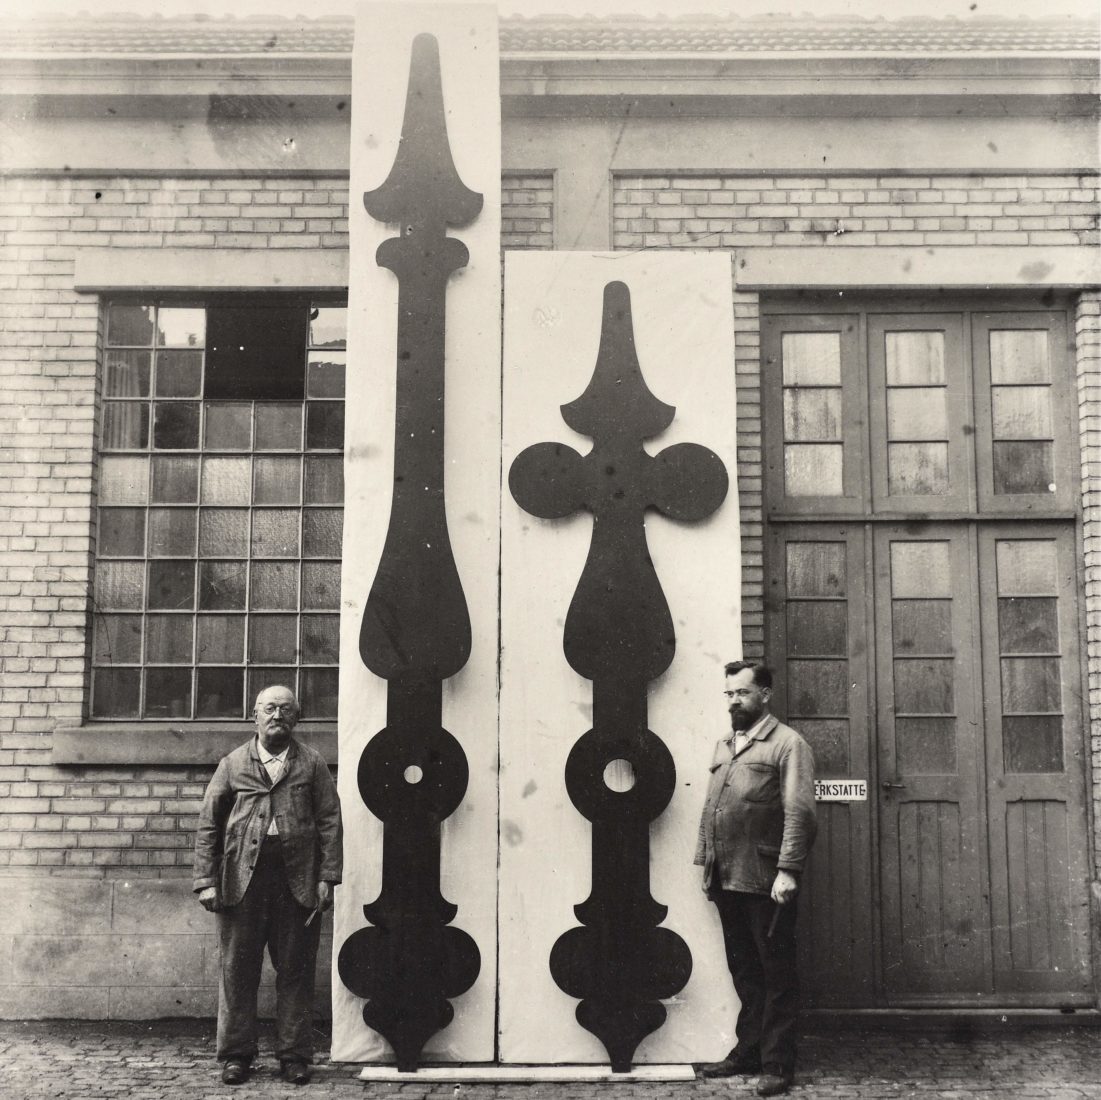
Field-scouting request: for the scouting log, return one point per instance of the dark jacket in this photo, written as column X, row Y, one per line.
column 237, row 809
column 759, row 813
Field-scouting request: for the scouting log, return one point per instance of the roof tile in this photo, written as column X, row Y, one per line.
column 230, row 35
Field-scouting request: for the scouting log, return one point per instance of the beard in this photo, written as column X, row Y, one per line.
column 742, row 720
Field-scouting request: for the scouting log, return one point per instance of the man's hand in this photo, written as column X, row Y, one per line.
column 785, row 887
column 208, row 899
column 324, row 895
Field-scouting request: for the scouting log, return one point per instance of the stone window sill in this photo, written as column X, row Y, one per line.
column 200, row 743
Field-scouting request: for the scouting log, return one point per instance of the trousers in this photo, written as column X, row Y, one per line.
column 764, row 969
column 267, row 916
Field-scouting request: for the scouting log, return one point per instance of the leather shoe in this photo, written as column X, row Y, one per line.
column 735, row 1064
column 773, row 1084
column 235, row 1072
column 296, row 1072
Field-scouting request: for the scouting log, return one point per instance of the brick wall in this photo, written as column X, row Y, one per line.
column 82, row 840
column 737, row 211
column 70, row 819
column 60, row 818
column 747, row 370
column 526, row 221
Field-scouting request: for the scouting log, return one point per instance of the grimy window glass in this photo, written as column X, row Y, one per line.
column 219, row 510
column 256, row 351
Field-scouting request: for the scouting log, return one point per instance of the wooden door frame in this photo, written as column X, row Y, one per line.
column 778, row 518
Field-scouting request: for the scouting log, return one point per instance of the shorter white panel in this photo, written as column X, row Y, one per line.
column 684, row 334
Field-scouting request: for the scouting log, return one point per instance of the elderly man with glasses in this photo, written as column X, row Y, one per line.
column 267, row 855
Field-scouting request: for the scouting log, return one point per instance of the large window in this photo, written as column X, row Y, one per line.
column 220, row 507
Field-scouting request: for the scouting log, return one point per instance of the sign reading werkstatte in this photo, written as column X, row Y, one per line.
column 840, row 790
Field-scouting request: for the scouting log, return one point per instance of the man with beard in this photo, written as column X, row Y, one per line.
column 757, row 828
column 267, row 855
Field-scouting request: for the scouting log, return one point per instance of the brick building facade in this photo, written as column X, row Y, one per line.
column 925, row 169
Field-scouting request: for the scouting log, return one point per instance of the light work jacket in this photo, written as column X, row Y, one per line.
column 237, row 808
column 759, row 814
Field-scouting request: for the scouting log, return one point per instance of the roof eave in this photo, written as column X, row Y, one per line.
column 559, row 74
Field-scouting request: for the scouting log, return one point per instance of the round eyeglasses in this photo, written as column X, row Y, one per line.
column 281, row 708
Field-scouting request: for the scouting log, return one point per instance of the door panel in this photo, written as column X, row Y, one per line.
column 1035, row 759
column 834, row 911
column 929, row 718
column 1038, row 938
column 983, row 873
column 821, row 624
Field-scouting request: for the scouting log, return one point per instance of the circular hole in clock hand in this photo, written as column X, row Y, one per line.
column 619, row 775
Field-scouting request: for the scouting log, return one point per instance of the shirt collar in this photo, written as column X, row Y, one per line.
column 754, row 731
column 266, row 757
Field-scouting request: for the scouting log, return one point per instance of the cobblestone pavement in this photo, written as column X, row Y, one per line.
column 163, row 1060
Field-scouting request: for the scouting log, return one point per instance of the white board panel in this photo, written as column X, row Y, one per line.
column 683, row 320
column 467, row 37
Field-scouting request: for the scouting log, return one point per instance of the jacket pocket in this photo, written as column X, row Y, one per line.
column 757, row 782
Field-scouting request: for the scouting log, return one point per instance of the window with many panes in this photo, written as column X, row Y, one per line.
column 220, row 500
column 902, row 411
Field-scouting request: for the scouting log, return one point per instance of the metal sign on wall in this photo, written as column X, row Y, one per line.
column 511, row 823
column 840, row 790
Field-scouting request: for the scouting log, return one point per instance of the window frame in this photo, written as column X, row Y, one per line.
column 182, row 739
column 778, row 308
column 1063, row 413
column 853, row 397
column 959, row 498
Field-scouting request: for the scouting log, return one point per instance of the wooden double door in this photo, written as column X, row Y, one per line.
column 964, row 876
column 937, row 657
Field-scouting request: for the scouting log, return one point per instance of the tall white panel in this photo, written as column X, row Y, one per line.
column 467, row 37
